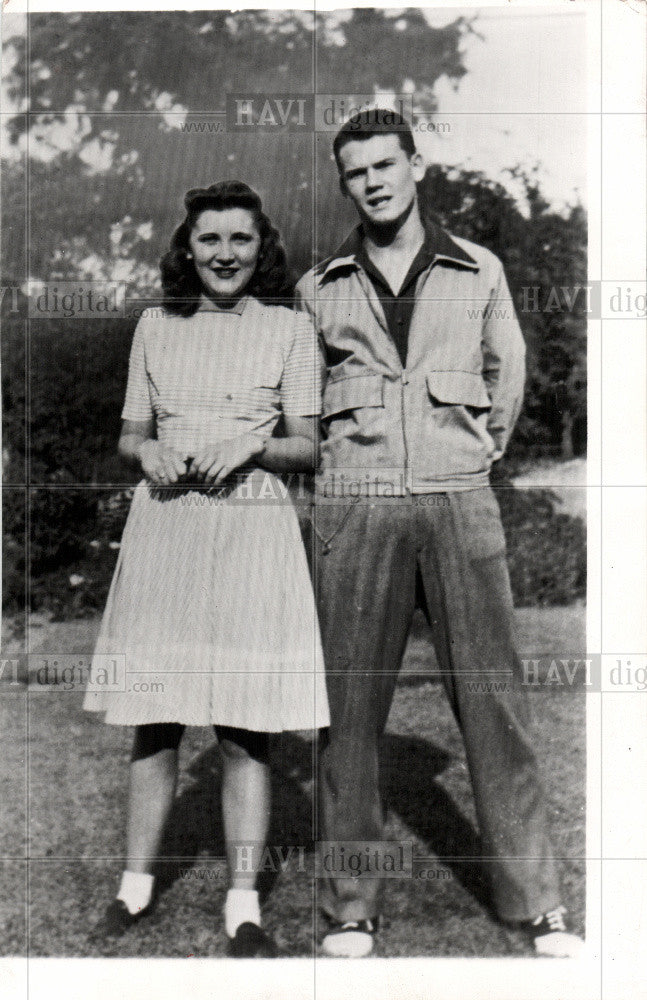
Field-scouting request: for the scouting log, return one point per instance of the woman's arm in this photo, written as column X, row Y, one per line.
column 138, row 446
column 133, row 435
column 298, row 451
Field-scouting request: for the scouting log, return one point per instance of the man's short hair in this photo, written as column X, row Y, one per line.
column 374, row 121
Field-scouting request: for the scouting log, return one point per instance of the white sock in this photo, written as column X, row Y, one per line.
column 241, row 905
column 136, row 890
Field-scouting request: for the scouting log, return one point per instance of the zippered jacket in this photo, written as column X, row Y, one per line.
column 441, row 421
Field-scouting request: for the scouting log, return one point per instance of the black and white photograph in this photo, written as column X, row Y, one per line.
column 308, row 656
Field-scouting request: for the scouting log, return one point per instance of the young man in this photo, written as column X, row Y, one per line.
column 425, row 380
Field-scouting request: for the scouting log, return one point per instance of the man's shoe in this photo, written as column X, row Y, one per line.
column 552, row 936
column 251, row 941
column 118, row 919
column 350, row 939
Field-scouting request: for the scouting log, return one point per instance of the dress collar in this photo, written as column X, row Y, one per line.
column 211, row 306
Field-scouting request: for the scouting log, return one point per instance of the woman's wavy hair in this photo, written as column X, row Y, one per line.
column 271, row 281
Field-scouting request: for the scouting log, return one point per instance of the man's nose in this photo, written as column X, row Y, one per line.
column 372, row 180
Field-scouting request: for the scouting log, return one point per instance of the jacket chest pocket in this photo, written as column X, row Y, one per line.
column 458, row 388
column 455, row 423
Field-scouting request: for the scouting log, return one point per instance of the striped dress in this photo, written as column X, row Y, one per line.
column 210, row 615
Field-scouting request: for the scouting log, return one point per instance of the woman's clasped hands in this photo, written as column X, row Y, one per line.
column 164, row 466
column 216, row 462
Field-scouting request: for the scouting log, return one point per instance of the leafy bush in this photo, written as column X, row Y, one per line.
column 78, row 381
column 13, row 550
column 546, row 549
column 75, row 536
column 77, row 378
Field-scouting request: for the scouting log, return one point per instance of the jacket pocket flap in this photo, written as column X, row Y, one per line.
column 458, row 388
column 353, row 393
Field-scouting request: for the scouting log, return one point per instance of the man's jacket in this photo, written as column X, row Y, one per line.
column 441, row 421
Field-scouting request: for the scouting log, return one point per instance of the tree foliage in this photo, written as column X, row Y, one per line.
column 109, row 96
column 101, row 66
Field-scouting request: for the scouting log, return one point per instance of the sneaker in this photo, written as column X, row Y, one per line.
column 251, row 941
column 350, row 939
column 552, row 936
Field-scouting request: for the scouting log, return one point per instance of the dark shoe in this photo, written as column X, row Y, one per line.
column 251, row 941
column 118, row 919
column 350, row 938
column 552, row 935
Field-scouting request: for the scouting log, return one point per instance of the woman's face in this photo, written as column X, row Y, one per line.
column 225, row 246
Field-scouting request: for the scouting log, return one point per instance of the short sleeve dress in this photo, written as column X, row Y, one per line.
column 210, row 617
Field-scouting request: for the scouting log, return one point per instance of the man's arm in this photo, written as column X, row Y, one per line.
column 304, row 301
column 504, row 363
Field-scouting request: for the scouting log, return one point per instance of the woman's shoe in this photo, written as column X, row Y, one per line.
column 118, row 919
column 251, row 941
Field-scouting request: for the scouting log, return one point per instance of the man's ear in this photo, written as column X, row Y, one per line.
column 342, row 186
column 417, row 167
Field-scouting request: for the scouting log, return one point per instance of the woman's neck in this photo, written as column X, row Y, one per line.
column 210, row 303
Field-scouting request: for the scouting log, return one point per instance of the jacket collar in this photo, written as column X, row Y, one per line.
column 437, row 240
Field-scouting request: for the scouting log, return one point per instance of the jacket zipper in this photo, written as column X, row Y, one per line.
column 367, row 288
column 404, row 381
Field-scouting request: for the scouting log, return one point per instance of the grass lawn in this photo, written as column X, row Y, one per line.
column 68, row 796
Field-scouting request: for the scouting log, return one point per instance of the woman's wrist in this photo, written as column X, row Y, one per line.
column 138, row 450
column 260, row 447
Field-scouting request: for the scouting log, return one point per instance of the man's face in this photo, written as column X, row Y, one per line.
column 379, row 177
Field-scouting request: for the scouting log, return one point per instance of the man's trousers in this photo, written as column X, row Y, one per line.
column 369, row 557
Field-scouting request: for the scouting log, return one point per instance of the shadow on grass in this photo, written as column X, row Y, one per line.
column 409, row 766
column 195, row 829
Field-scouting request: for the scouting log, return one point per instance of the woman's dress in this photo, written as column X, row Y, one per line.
column 210, row 617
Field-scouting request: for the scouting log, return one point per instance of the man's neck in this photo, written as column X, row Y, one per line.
column 392, row 249
column 402, row 239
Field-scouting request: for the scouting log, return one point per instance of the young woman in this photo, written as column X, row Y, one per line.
column 211, row 600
